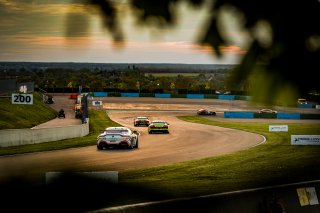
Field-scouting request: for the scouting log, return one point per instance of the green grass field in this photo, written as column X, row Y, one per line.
column 17, row 116
column 275, row 162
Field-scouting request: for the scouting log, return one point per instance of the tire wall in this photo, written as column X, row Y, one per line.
column 221, row 97
column 162, row 95
column 168, row 95
column 280, row 115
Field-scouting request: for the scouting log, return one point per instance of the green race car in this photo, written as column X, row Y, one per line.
column 158, row 126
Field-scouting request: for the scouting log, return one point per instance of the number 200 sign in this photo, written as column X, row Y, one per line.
column 22, row 98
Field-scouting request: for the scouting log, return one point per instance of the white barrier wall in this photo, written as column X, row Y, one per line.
column 16, row 137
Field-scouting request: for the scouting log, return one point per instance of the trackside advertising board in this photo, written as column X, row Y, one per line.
column 305, row 139
column 97, row 103
column 278, row 128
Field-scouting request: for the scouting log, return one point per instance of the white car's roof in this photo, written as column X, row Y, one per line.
column 142, row 117
column 159, row 121
column 115, row 130
column 267, row 110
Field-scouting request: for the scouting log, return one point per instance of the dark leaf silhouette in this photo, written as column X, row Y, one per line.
column 290, row 61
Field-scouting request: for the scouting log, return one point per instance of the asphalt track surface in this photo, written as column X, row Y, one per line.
column 186, row 141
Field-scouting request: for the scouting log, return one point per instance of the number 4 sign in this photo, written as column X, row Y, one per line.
column 22, row 99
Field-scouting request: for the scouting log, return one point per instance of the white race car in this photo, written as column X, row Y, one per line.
column 267, row 111
column 118, row 137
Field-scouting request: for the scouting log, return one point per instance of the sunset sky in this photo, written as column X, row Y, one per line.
column 66, row 31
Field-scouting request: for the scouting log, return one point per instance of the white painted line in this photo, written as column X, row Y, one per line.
column 262, row 142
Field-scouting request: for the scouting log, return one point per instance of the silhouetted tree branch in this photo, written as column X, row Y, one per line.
column 290, row 61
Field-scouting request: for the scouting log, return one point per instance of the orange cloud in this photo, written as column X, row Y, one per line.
column 186, row 46
column 49, row 40
column 224, row 49
column 46, row 8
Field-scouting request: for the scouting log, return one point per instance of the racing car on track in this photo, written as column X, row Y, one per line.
column 122, row 137
column 267, row 111
column 205, row 112
column 158, row 126
column 141, row 121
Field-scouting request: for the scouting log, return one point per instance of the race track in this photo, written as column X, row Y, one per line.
column 186, row 141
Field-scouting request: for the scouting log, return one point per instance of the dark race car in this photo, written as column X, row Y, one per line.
column 49, row 100
column 141, row 121
column 61, row 114
column 78, row 111
column 205, row 112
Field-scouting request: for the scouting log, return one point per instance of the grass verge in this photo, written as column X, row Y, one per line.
column 18, row 116
column 272, row 163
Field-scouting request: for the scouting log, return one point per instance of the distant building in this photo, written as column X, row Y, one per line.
column 26, row 87
column 7, row 86
column 11, row 85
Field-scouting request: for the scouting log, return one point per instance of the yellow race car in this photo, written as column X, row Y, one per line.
column 158, row 126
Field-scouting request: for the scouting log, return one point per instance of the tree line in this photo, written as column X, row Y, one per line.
column 130, row 79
